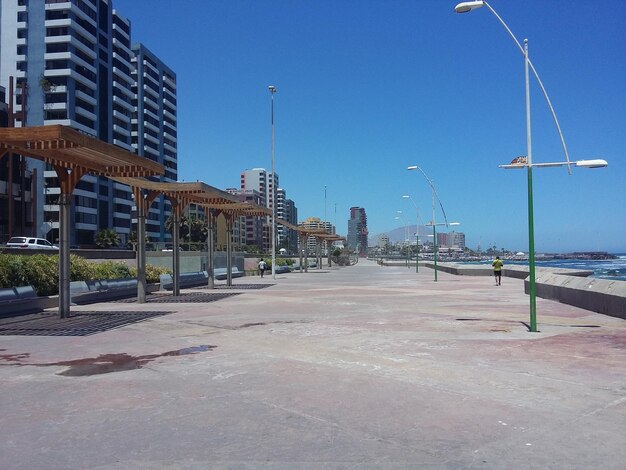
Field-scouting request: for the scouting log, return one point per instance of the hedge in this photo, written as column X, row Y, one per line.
column 42, row 271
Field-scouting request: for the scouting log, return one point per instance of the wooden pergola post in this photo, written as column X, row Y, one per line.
column 229, row 247
column 68, row 178
column 143, row 201
column 210, row 265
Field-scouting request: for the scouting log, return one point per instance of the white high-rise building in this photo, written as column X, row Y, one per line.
column 260, row 180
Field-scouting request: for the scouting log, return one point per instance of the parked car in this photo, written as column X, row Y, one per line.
column 31, row 243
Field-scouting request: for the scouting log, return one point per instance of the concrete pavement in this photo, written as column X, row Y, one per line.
column 355, row 367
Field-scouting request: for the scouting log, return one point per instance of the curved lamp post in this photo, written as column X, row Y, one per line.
column 272, row 90
column 432, row 223
column 466, row 7
column 526, row 161
column 417, row 232
column 406, row 234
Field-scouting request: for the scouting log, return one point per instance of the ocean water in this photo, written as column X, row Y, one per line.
column 612, row 269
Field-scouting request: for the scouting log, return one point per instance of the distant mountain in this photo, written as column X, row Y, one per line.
column 399, row 234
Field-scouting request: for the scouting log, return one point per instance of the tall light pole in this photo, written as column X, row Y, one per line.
column 417, row 232
column 406, row 235
column 272, row 90
column 526, row 161
column 432, row 222
column 325, row 222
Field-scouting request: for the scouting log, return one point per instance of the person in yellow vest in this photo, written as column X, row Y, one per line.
column 497, row 270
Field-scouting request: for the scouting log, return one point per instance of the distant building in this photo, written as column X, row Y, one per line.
column 457, row 239
column 316, row 223
column 286, row 210
column 451, row 240
column 260, row 180
column 383, row 241
column 253, row 227
column 357, row 230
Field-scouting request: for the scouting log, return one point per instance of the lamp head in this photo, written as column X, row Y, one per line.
column 412, row 167
column 466, row 7
column 406, row 197
column 272, row 89
column 597, row 163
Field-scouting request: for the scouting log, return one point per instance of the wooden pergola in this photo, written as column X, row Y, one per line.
column 180, row 195
column 230, row 212
column 329, row 238
column 73, row 155
column 303, row 235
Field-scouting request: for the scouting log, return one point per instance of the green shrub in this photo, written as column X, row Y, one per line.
column 42, row 272
column 81, row 269
column 39, row 271
column 279, row 262
column 153, row 273
column 111, row 270
column 11, row 271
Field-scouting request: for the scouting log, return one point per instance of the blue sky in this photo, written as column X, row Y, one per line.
column 368, row 87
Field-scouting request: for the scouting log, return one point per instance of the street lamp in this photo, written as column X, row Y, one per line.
column 432, row 222
column 435, row 247
column 417, row 233
column 466, row 7
column 406, row 235
column 272, row 90
column 526, row 161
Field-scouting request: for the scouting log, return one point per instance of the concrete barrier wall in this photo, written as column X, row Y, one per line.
column 598, row 295
column 193, row 261
column 569, row 286
column 514, row 271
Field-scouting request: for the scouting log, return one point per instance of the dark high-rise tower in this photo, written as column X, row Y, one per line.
column 357, row 230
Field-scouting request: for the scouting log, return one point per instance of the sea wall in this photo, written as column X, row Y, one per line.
column 514, row 271
column 568, row 286
column 598, row 295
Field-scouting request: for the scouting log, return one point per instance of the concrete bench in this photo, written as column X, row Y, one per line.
column 185, row 280
column 86, row 292
column 311, row 264
column 220, row 273
column 18, row 301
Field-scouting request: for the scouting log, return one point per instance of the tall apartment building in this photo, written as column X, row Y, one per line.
column 72, row 63
column 154, row 127
column 262, row 181
column 4, row 109
column 16, row 181
column 286, row 210
column 252, row 228
column 458, row 239
column 357, row 230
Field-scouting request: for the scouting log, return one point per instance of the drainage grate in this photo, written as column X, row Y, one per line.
column 244, row 286
column 78, row 324
column 194, row 297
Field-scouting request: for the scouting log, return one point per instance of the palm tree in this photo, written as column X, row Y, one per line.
column 107, row 238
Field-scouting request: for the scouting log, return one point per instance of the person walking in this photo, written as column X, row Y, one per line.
column 262, row 266
column 497, row 270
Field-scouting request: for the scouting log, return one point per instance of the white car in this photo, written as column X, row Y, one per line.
column 31, row 243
